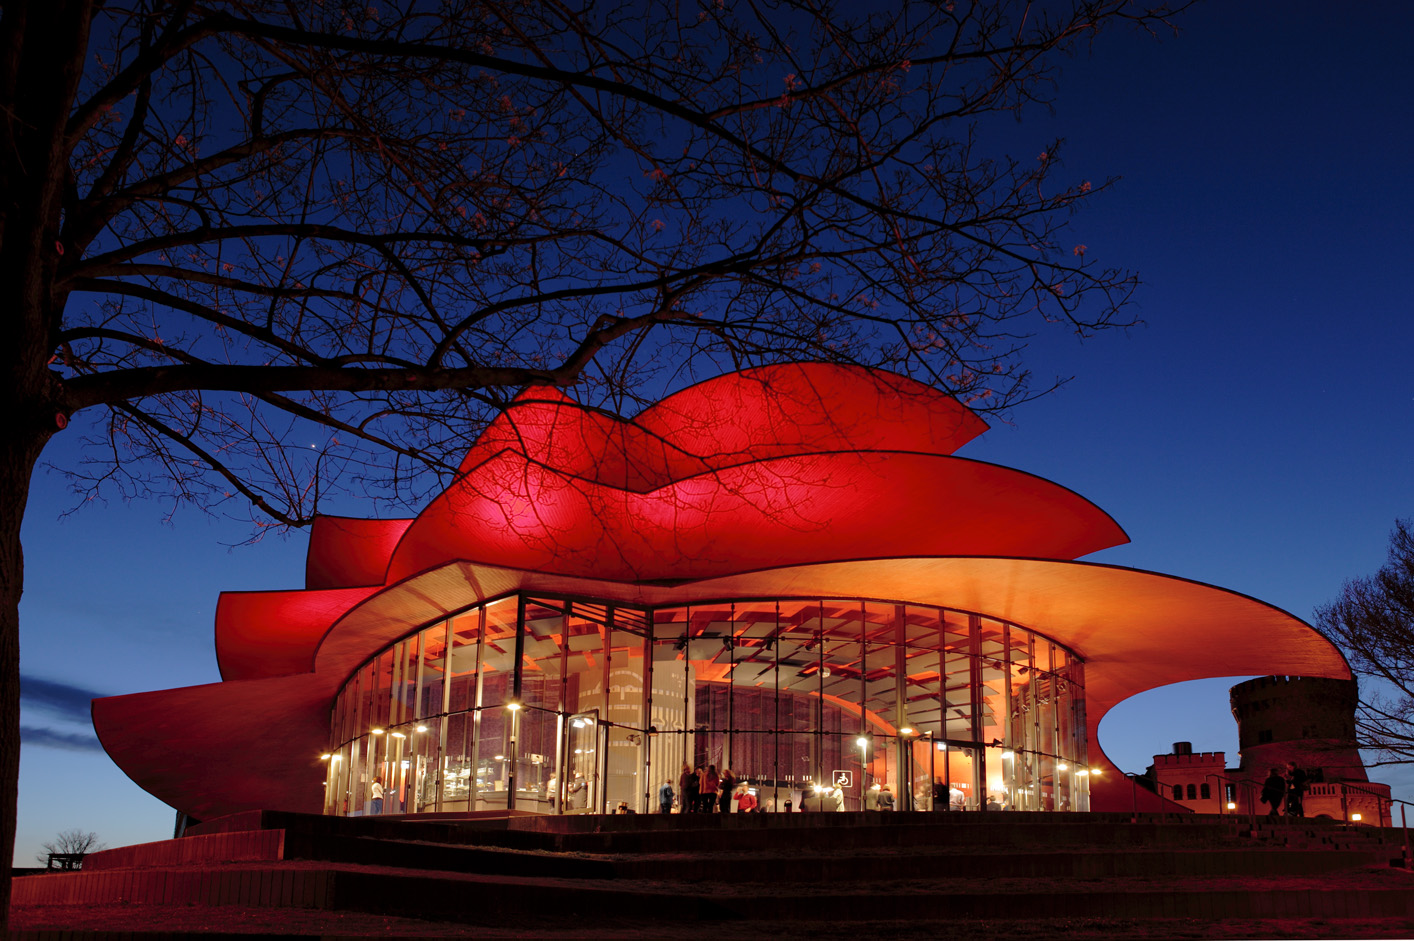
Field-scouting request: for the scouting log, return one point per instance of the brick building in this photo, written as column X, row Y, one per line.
column 1306, row 720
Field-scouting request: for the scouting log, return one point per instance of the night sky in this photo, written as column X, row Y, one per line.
column 1255, row 434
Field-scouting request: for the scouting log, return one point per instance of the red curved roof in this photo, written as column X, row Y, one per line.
column 795, row 408
column 349, row 553
column 781, row 511
column 807, row 480
column 274, row 633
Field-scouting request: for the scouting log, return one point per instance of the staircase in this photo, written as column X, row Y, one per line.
column 652, row 872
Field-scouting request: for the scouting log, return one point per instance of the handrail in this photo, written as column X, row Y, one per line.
column 1375, row 794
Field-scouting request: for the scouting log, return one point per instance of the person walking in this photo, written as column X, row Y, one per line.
column 1274, row 791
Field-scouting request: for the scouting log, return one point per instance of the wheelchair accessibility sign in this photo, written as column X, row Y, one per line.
column 844, row 779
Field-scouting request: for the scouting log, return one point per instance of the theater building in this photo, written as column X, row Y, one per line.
column 785, row 571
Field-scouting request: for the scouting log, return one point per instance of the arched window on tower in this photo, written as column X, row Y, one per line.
column 1192, row 793
column 1205, row 791
column 1178, row 792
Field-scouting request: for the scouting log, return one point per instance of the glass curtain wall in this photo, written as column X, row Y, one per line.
column 563, row 706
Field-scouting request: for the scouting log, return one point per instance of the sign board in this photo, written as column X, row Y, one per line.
column 843, row 779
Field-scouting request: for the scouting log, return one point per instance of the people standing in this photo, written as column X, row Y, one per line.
column 885, row 800
column 710, row 783
column 1274, row 791
column 1296, row 782
column 683, row 775
column 693, row 795
column 726, row 790
column 665, row 798
column 745, row 801
column 579, row 792
column 376, row 793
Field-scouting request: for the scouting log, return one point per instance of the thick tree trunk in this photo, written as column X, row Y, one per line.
column 42, row 53
column 18, row 454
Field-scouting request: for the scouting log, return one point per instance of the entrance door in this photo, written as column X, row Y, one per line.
column 582, row 754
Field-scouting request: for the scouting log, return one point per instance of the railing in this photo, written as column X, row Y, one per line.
column 1238, row 786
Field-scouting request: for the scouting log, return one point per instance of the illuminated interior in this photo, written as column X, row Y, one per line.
column 613, row 696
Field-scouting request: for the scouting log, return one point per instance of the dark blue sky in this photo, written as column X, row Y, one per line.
column 1255, row 434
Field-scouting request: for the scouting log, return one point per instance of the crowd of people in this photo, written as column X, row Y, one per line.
column 706, row 791
column 1286, row 789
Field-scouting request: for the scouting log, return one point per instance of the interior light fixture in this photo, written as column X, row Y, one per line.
column 399, row 735
column 1062, row 766
column 377, row 731
column 1083, row 773
column 1355, row 817
column 1231, row 805
column 1008, row 754
column 325, row 757
column 422, row 728
column 513, row 705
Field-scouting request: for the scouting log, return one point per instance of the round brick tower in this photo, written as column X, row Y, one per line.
column 1305, row 719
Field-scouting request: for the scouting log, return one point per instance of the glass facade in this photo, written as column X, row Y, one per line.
column 568, row 705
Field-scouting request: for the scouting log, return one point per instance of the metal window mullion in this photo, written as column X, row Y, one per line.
column 1009, row 720
column 647, row 715
column 601, row 763
column 561, row 728
column 513, row 726
column 473, row 728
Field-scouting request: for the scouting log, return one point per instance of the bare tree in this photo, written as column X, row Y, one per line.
column 1373, row 622
column 259, row 251
column 73, row 843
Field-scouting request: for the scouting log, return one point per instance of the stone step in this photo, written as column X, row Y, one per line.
column 690, row 863
column 509, row 900
column 711, row 833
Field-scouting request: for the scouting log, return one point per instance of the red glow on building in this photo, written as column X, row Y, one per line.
column 803, row 481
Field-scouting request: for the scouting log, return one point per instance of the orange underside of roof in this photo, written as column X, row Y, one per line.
column 1136, row 631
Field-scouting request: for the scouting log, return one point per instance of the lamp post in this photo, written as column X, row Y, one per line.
column 513, row 706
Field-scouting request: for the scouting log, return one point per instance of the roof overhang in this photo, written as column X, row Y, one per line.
column 1135, row 630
